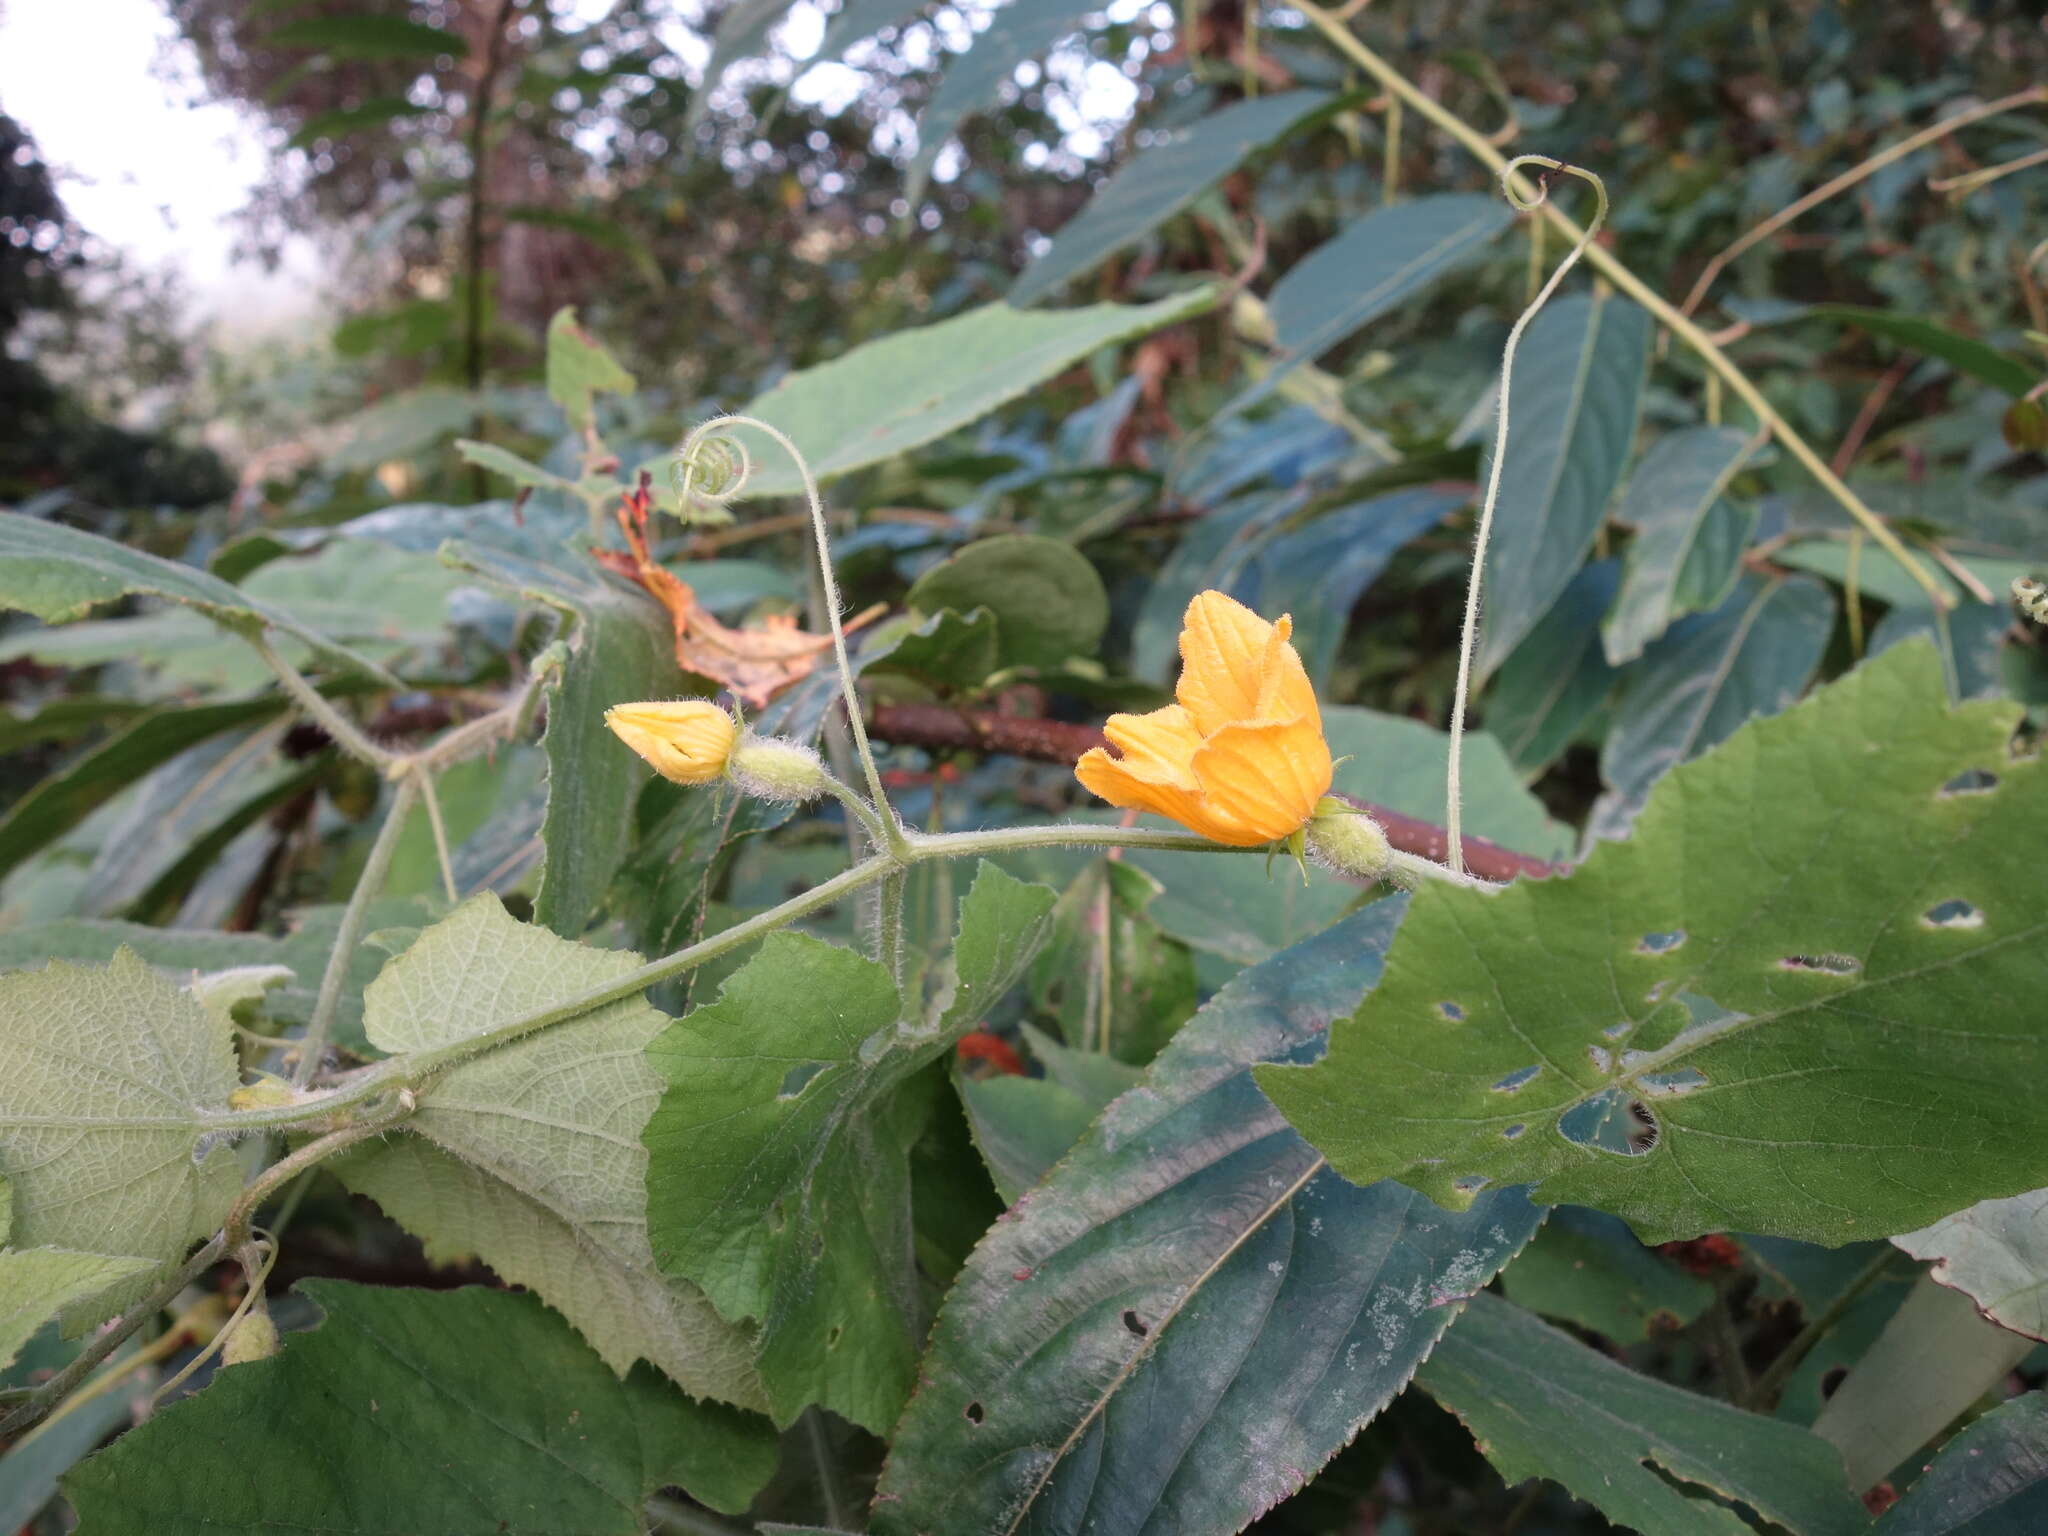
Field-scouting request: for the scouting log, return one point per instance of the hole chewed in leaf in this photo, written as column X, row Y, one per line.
column 798, row 1078
column 1952, row 914
column 1975, row 781
column 1513, row 1132
column 1451, row 1012
column 1832, row 965
column 976, row 1413
column 1135, row 1324
column 1610, row 1121
column 1669, row 1085
column 1518, row 1078
column 1661, row 943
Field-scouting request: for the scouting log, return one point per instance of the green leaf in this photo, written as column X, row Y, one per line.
column 1989, row 1480
column 529, row 1156
column 780, row 1175
column 1111, row 978
column 178, row 952
column 1709, row 674
column 113, row 1085
column 1669, row 502
column 1587, row 1268
column 1541, row 1404
column 368, row 37
column 1158, row 182
column 1558, row 677
column 1372, row 267
column 1878, row 574
column 343, row 121
column 1996, row 1253
column 37, row 1283
column 1191, row 1314
column 505, row 463
column 1023, row 1125
column 1048, row 603
column 464, row 1413
column 1771, row 970
column 1969, row 638
column 579, row 369
column 1936, row 1357
column 1965, row 354
column 949, row 651
column 65, row 798
column 1020, row 30
column 1576, row 396
column 902, row 390
column 60, row 574
column 621, row 649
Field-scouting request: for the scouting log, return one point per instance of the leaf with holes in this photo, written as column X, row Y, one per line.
column 1191, row 1314
column 464, row 1413
column 1794, row 1002
column 1541, row 1404
column 528, row 1157
column 113, row 1092
column 780, row 1180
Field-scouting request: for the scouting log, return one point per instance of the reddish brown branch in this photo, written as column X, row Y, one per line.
column 1055, row 741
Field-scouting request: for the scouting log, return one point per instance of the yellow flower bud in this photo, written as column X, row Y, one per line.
column 689, row 741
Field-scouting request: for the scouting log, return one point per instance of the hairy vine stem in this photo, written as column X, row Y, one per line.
column 1616, row 272
column 1454, row 811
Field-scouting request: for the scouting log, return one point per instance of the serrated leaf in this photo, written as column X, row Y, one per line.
column 1576, row 396
column 465, row 1413
column 579, row 368
column 1989, row 1480
column 780, row 1174
column 902, row 390
column 60, row 574
column 1370, row 268
column 1558, row 677
column 1996, row 1253
column 1669, row 501
column 1541, row 1404
column 528, row 1157
column 1588, row 1268
column 1811, row 968
column 113, row 1088
column 1190, row 1315
column 1159, row 181
column 1048, row 601
column 37, row 1283
column 1710, row 673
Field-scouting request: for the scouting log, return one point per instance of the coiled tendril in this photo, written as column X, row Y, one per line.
column 709, row 471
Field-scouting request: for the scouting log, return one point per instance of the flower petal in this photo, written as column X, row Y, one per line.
column 1106, row 777
column 1160, row 746
column 1263, row 778
column 1223, row 647
column 1285, row 692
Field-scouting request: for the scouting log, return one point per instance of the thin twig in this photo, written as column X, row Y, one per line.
column 354, row 918
column 1862, row 171
column 1616, row 272
column 1976, row 181
column 346, row 734
column 428, row 793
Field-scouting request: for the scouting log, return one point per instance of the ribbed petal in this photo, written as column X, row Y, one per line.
column 1223, row 647
column 1105, row 776
column 1262, row 779
column 1285, row 692
column 1159, row 747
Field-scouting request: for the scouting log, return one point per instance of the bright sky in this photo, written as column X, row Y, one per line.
column 138, row 163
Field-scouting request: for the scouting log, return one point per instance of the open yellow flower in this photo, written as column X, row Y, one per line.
column 1241, row 758
column 687, row 740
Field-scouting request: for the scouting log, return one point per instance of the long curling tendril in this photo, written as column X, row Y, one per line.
column 1511, row 189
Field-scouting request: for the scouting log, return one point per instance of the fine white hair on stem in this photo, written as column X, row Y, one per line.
column 734, row 471
column 1511, row 188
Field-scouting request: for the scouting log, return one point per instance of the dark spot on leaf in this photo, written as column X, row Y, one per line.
column 1135, row 1323
column 798, row 1078
column 1832, row 1380
column 1471, row 1183
column 1513, row 1131
column 975, row 1414
column 1661, row 943
column 1451, row 1011
column 1516, row 1079
column 832, row 1336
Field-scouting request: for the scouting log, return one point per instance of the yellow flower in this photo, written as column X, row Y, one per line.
column 1241, row 758
column 689, row 740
